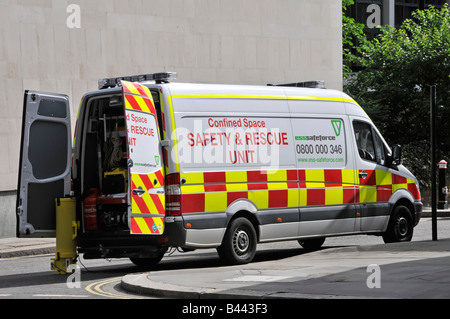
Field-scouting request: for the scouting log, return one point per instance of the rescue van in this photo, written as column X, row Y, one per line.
column 156, row 164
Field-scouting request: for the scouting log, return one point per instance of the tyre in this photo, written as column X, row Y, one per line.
column 147, row 261
column 400, row 227
column 239, row 244
column 312, row 244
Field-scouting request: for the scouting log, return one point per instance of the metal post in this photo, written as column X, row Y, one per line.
column 433, row 163
column 443, row 190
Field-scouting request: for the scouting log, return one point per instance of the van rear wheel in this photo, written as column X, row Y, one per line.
column 312, row 244
column 400, row 227
column 148, row 261
column 239, row 244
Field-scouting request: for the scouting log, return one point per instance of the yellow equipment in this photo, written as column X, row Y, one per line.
column 66, row 233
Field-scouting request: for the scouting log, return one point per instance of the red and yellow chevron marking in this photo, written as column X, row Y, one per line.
column 148, row 204
column 136, row 88
column 379, row 185
column 138, row 97
column 146, row 225
column 215, row 191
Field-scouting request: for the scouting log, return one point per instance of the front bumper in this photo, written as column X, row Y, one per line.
column 417, row 212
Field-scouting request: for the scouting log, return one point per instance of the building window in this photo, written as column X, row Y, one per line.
column 371, row 14
column 436, row 3
column 404, row 8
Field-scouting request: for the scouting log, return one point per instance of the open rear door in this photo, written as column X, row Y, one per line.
column 44, row 171
column 145, row 161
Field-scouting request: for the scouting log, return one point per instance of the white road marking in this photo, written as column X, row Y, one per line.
column 62, row 296
column 252, row 278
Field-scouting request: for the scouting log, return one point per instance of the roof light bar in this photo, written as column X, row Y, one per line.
column 319, row 84
column 162, row 77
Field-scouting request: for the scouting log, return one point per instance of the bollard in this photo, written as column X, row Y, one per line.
column 443, row 190
column 66, row 233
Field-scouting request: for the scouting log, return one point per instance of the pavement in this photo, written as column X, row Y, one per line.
column 417, row 269
column 400, row 271
column 19, row 247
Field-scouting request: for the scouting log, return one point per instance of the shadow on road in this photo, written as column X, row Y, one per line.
column 92, row 271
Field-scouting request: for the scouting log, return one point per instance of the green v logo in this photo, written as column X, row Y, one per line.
column 337, row 125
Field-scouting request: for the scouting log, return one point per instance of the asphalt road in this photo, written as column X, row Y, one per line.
column 31, row 277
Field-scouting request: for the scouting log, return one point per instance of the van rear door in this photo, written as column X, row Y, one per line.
column 44, row 171
column 145, row 161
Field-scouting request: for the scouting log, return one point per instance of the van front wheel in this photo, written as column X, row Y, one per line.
column 400, row 227
column 239, row 244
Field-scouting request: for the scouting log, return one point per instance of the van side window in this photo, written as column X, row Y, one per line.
column 364, row 141
column 370, row 144
column 379, row 149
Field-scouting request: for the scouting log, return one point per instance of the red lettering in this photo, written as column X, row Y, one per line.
column 277, row 141
column 241, row 157
column 202, row 139
column 269, row 138
column 263, row 138
column 198, row 140
column 248, row 138
column 213, row 139
column 227, row 136
column 285, row 138
column 191, row 139
column 132, row 141
column 256, row 138
column 137, row 119
column 140, row 130
column 252, row 123
column 205, row 138
column 224, row 138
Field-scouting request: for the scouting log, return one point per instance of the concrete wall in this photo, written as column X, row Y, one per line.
column 7, row 213
column 208, row 41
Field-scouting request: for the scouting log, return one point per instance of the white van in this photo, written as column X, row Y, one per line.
column 157, row 165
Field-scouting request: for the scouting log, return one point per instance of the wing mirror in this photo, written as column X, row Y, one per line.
column 396, row 155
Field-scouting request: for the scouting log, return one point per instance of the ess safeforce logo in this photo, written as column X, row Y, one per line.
column 337, row 125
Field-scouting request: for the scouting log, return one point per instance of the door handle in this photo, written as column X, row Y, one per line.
column 363, row 174
column 130, row 163
column 139, row 191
